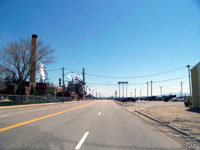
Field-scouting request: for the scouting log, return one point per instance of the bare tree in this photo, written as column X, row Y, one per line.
column 2, row 84
column 15, row 60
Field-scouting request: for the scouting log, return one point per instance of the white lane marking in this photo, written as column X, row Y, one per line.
column 3, row 116
column 78, row 146
column 44, row 108
column 99, row 113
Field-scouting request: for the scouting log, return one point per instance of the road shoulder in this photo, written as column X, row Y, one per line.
column 183, row 140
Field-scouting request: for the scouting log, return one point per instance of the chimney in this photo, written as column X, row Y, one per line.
column 33, row 58
column 60, row 82
column 83, row 73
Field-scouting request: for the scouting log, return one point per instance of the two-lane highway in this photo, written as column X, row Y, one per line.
column 86, row 125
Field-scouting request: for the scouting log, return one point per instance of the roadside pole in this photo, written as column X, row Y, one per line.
column 63, row 75
column 135, row 93
column 151, row 88
column 161, row 91
column 147, row 89
column 188, row 66
column 181, row 88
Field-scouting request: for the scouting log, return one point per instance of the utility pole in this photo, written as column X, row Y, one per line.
column 161, row 91
column 140, row 93
column 116, row 94
column 63, row 83
column 96, row 94
column 83, row 74
column 131, row 94
column 147, row 89
column 151, row 88
column 181, row 88
column 188, row 66
column 123, row 90
column 135, row 93
column 119, row 90
column 126, row 91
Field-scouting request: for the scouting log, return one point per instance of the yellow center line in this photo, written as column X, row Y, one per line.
column 44, row 117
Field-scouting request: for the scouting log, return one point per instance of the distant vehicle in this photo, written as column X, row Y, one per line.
column 131, row 99
column 167, row 98
column 142, row 98
column 152, row 98
column 174, row 99
column 158, row 99
column 178, row 99
column 188, row 101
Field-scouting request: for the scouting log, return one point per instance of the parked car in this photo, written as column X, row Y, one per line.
column 174, row 99
column 152, row 98
column 167, row 98
column 158, row 99
column 131, row 99
column 178, row 99
column 188, row 101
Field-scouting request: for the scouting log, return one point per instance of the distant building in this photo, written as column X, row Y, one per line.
column 75, row 88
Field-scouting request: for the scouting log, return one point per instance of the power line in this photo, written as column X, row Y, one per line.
column 54, row 69
column 102, row 76
column 170, row 79
column 139, row 83
column 73, row 70
column 101, row 84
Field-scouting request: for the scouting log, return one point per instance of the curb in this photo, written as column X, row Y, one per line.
column 169, row 126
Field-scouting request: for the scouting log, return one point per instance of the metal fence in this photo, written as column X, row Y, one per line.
column 29, row 99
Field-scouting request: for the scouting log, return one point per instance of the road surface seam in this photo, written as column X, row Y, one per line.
column 44, row 117
column 82, row 140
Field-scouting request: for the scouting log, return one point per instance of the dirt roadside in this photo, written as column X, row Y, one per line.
column 172, row 113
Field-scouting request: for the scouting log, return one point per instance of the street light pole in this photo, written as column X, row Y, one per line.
column 123, row 90
column 161, row 91
column 63, row 85
column 126, row 91
column 188, row 66
column 181, row 88
column 151, row 88
column 135, row 93
column 119, row 90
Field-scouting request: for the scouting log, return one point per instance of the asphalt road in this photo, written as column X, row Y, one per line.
column 85, row 125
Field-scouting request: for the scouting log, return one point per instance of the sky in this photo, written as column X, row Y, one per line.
column 118, row 38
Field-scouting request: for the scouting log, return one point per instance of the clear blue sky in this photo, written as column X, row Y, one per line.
column 111, row 37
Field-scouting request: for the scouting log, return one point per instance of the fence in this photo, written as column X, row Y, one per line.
column 29, row 99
